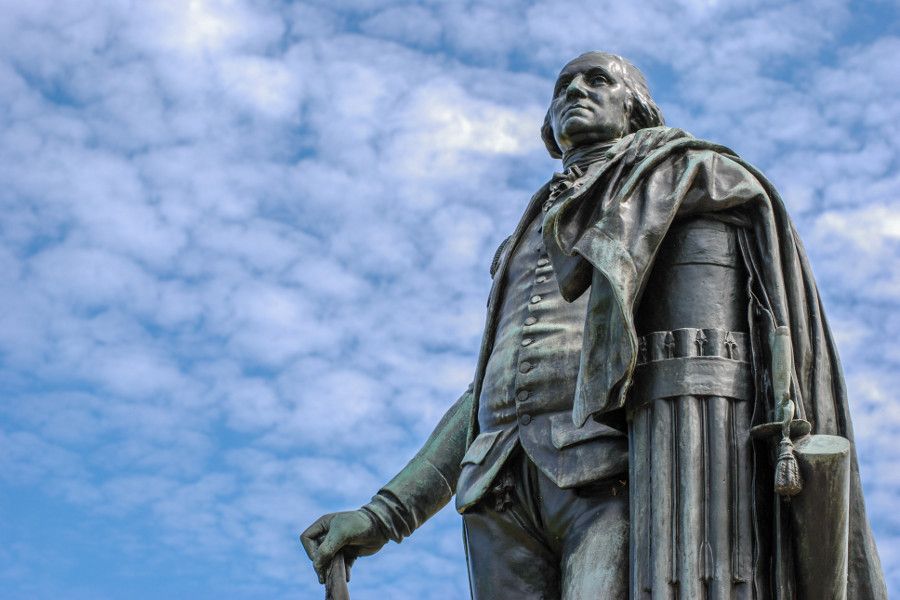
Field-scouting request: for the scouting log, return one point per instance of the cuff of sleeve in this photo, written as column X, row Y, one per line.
column 388, row 514
column 410, row 499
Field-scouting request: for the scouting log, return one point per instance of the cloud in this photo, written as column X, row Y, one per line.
column 410, row 25
column 245, row 253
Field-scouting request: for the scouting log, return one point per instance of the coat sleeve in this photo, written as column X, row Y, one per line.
column 427, row 483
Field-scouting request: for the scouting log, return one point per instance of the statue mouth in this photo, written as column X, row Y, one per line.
column 575, row 106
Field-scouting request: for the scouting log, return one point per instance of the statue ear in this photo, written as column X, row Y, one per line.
column 630, row 117
column 549, row 138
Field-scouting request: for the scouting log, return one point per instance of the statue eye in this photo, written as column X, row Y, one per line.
column 560, row 86
column 599, row 79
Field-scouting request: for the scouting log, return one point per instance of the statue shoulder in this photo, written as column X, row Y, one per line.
column 639, row 144
column 647, row 150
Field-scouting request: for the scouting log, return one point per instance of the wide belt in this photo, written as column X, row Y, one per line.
column 692, row 362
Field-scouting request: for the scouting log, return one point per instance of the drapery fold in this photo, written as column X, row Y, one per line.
column 605, row 232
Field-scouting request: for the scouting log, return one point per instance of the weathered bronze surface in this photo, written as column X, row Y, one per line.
column 658, row 409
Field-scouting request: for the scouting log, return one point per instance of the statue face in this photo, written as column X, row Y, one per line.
column 590, row 102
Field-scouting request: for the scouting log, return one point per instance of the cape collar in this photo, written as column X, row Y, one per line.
column 585, row 156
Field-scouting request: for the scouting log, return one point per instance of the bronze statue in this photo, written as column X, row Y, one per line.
column 658, row 409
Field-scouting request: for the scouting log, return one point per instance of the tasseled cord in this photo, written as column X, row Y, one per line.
column 787, row 472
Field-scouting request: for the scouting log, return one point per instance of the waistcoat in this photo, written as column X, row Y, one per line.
column 529, row 384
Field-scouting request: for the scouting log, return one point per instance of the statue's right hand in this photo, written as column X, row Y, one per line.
column 354, row 532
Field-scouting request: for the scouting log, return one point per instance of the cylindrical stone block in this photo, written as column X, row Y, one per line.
column 820, row 515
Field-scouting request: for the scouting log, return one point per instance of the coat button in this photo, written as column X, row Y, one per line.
column 525, row 367
column 530, row 321
column 541, row 279
column 524, row 419
column 535, row 299
column 543, row 262
column 527, row 341
column 522, row 396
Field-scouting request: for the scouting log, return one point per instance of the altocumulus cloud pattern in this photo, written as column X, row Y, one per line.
column 245, row 244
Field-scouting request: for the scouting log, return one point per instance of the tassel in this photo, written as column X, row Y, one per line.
column 787, row 472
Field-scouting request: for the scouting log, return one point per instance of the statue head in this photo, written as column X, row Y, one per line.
column 598, row 97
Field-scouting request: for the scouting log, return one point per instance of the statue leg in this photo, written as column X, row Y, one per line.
column 531, row 540
column 592, row 526
column 509, row 555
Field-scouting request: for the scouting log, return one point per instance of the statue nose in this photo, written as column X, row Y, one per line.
column 576, row 86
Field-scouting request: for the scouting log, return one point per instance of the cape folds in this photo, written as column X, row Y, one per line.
column 605, row 233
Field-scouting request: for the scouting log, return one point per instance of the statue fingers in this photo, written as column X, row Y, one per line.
column 329, row 547
column 311, row 537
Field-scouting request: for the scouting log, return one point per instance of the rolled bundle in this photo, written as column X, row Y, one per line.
column 690, row 467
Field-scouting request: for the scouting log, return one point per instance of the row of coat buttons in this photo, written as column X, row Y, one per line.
column 525, row 366
column 524, row 418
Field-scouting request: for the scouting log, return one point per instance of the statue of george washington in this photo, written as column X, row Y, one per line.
column 658, row 410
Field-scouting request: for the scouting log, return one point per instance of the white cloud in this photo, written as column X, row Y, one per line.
column 407, row 24
column 245, row 247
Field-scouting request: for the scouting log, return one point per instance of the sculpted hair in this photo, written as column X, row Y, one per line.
column 644, row 111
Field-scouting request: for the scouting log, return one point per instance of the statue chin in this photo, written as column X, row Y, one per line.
column 578, row 131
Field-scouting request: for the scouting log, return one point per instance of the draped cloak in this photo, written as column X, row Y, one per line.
column 604, row 233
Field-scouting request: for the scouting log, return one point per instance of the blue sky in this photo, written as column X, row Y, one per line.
column 245, row 245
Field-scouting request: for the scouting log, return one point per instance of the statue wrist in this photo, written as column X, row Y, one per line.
column 387, row 513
